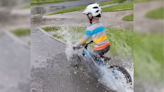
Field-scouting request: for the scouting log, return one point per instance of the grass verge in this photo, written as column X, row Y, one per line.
column 119, row 7
column 110, row 2
column 147, row 50
column 38, row 2
column 59, row 36
column 51, row 28
column 156, row 14
column 83, row 7
column 21, row 32
column 121, row 40
column 26, row 6
column 144, row 0
column 128, row 17
column 68, row 10
column 148, row 53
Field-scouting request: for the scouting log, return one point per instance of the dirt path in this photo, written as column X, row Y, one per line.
column 19, row 19
column 15, row 18
column 76, row 18
column 50, row 69
column 14, row 65
column 143, row 24
column 109, row 19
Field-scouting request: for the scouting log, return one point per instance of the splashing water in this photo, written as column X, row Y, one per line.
column 118, row 85
column 109, row 80
column 122, row 48
column 69, row 46
column 72, row 37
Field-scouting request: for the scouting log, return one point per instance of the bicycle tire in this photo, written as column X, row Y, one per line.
column 123, row 71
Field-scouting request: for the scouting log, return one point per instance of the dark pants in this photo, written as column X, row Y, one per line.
column 100, row 53
column 97, row 54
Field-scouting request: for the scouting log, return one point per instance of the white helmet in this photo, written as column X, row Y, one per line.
column 94, row 9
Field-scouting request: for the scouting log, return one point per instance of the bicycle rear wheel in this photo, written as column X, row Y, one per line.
column 121, row 71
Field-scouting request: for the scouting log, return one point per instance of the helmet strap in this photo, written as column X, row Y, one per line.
column 90, row 18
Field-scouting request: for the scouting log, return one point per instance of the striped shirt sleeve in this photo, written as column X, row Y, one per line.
column 87, row 35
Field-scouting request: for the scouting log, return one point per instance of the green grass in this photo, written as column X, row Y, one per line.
column 68, row 10
column 44, row 1
column 26, row 6
column 145, row 49
column 21, row 32
column 59, row 36
column 110, row 2
column 119, row 7
column 121, row 40
column 51, row 28
column 143, row 0
column 156, row 14
column 83, row 7
column 128, row 17
column 148, row 56
column 76, row 33
column 35, row 2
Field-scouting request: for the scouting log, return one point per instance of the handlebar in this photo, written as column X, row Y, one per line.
column 86, row 45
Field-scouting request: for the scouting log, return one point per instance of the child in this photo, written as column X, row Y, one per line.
column 95, row 30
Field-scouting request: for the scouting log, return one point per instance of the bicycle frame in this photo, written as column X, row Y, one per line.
column 87, row 53
column 94, row 66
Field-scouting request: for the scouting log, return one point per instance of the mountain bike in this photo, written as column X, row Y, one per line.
column 95, row 66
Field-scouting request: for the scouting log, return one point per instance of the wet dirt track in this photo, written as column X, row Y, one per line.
column 14, row 65
column 52, row 72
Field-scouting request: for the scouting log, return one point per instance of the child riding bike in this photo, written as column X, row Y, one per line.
column 96, row 31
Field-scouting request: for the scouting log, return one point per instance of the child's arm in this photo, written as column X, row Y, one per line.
column 87, row 35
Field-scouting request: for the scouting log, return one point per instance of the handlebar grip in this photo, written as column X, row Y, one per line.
column 74, row 48
column 88, row 43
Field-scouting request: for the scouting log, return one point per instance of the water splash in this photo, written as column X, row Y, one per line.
column 67, row 38
column 118, row 85
column 122, row 48
column 71, row 36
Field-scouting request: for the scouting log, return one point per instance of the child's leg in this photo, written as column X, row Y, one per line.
column 102, row 52
column 97, row 54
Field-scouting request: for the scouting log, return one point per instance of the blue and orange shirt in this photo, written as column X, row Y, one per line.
column 97, row 32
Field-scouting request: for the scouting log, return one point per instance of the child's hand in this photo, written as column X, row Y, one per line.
column 74, row 48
